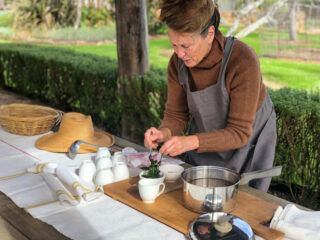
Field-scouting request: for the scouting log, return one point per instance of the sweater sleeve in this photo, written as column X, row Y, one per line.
column 176, row 112
column 245, row 88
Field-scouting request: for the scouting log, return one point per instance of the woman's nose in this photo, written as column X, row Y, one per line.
column 181, row 52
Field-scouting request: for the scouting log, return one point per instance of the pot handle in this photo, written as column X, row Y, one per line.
column 271, row 172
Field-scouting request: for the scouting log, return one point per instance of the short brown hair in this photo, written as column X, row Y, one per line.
column 190, row 15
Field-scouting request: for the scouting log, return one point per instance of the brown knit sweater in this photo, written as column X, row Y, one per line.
column 244, row 85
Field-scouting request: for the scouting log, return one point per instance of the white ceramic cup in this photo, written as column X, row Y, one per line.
column 149, row 190
column 120, row 171
column 102, row 152
column 103, row 162
column 156, row 180
column 118, row 157
column 104, row 176
column 87, row 171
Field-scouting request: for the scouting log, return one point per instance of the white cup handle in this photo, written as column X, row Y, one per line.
column 163, row 187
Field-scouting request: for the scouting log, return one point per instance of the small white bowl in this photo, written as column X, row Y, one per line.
column 157, row 180
column 172, row 172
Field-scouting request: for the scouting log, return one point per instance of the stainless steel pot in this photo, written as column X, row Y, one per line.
column 210, row 188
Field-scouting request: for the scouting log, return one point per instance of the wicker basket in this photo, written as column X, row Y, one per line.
column 28, row 119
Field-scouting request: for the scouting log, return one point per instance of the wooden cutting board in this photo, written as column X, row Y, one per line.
column 168, row 207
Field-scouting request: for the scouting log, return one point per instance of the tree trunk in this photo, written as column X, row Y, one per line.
column 292, row 22
column 252, row 27
column 2, row 5
column 78, row 17
column 133, row 51
column 248, row 8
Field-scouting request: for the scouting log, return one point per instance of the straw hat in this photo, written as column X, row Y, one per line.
column 74, row 126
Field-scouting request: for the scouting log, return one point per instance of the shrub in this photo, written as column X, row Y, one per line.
column 6, row 18
column 95, row 17
column 298, row 148
column 44, row 13
column 154, row 25
column 144, row 102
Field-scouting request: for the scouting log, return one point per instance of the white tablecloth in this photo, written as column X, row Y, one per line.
column 103, row 218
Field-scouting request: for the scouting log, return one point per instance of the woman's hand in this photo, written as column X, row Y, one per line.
column 179, row 144
column 157, row 137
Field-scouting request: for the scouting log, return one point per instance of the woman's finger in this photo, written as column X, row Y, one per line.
column 147, row 137
column 167, row 147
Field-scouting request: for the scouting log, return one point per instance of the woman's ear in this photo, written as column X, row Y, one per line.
column 211, row 33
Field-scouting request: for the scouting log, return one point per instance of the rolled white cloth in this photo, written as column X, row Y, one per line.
column 66, row 184
column 62, row 192
column 47, row 167
column 297, row 224
column 83, row 190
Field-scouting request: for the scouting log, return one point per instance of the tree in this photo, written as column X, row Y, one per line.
column 292, row 22
column 242, row 13
column 2, row 5
column 252, row 27
column 132, row 49
column 78, row 3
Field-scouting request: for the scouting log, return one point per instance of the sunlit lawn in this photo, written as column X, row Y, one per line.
column 300, row 75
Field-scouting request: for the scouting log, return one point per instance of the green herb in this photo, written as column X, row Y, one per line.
column 153, row 171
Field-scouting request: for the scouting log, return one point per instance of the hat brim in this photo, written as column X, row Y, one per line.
column 53, row 142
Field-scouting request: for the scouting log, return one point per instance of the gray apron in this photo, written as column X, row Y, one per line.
column 209, row 109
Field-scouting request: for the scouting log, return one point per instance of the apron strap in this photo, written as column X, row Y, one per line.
column 225, row 59
column 182, row 70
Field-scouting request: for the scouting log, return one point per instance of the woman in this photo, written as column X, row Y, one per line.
column 217, row 82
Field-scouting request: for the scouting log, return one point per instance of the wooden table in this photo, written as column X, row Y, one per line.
column 16, row 223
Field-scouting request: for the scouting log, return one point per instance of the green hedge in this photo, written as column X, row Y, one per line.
column 89, row 84
column 63, row 79
column 144, row 103
column 298, row 144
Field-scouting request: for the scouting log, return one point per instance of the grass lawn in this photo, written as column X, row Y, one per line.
column 300, row 75
column 109, row 50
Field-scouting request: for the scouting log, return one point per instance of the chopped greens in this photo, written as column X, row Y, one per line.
column 153, row 171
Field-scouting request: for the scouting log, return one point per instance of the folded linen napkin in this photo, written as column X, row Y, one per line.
column 36, row 168
column 62, row 192
column 47, row 167
column 297, row 224
column 137, row 159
